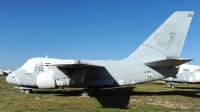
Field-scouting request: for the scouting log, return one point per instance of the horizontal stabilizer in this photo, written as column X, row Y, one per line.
column 70, row 64
column 168, row 62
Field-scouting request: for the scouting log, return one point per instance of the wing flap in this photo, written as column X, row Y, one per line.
column 168, row 62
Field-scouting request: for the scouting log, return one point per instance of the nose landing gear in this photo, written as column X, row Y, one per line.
column 27, row 91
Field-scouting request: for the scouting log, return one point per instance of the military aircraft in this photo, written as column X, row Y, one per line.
column 5, row 72
column 1, row 72
column 186, row 74
column 156, row 58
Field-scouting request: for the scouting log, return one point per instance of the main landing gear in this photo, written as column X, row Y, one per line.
column 171, row 86
column 26, row 90
column 89, row 90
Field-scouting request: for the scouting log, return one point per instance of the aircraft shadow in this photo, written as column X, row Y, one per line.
column 110, row 98
column 187, row 87
column 115, row 98
column 193, row 94
column 119, row 97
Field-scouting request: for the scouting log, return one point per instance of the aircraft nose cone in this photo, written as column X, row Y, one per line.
column 11, row 79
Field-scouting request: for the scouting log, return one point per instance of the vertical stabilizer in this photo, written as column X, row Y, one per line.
column 167, row 41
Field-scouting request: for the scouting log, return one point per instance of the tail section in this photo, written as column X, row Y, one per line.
column 167, row 41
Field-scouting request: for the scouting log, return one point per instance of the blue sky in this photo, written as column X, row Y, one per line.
column 86, row 29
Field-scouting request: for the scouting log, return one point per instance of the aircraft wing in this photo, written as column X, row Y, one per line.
column 71, row 64
column 168, row 62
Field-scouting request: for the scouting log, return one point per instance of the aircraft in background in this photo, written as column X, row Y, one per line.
column 5, row 72
column 156, row 58
column 186, row 74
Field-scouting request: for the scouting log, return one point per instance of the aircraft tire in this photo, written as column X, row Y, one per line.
column 84, row 93
column 27, row 91
column 172, row 86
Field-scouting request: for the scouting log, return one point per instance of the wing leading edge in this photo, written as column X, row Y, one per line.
column 71, row 64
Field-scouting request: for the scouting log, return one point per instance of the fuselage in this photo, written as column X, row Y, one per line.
column 111, row 74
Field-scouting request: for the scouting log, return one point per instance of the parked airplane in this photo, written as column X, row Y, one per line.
column 5, row 72
column 156, row 58
column 186, row 74
column 1, row 72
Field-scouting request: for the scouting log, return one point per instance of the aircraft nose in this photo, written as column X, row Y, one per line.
column 11, row 79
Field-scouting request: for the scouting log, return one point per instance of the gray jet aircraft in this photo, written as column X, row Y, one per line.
column 187, row 74
column 156, row 58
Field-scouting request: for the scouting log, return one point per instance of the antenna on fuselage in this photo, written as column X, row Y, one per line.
column 46, row 56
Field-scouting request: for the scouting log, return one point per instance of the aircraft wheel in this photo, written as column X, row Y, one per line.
column 27, row 91
column 172, row 86
column 84, row 93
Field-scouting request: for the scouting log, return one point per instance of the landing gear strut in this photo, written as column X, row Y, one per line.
column 89, row 90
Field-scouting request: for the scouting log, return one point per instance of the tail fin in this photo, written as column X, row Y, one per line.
column 167, row 41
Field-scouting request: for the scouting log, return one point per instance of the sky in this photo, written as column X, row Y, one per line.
column 86, row 29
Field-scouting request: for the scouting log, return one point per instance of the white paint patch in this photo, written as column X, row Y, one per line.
column 150, row 75
column 197, row 76
column 132, row 82
column 121, row 82
column 45, row 68
column 191, row 79
column 185, row 79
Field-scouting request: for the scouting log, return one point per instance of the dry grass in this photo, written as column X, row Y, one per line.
column 141, row 97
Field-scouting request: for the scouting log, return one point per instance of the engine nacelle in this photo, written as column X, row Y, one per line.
column 45, row 80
